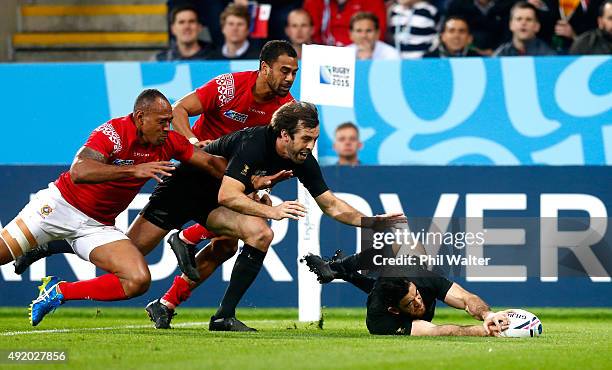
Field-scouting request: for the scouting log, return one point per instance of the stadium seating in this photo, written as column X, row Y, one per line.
column 64, row 30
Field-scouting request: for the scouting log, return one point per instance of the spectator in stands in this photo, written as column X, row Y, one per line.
column 365, row 32
column 488, row 20
column 299, row 29
column 185, row 27
column 560, row 27
column 412, row 27
column 332, row 18
column 598, row 41
column 455, row 40
column 235, row 22
column 524, row 26
column 347, row 144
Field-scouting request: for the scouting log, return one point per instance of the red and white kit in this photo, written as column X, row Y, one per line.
column 84, row 214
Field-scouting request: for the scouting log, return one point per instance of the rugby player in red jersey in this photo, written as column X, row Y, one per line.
column 81, row 205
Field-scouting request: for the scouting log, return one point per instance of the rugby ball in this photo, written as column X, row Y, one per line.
column 523, row 324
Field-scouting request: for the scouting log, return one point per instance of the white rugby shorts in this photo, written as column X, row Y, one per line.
column 48, row 216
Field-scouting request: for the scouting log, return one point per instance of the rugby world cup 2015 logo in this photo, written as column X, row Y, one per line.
column 325, row 75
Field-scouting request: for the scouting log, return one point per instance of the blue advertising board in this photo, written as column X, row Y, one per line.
column 418, row 190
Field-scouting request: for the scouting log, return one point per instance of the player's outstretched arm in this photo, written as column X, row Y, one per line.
column 338, row 209
column 421, row 328
column 90, row 167
column 186, row 107
column 474, row 305
column 231, row 195
column 341, row 211
column 212, row 164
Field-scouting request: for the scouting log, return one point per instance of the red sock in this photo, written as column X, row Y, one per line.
column 195, row 233
column 103, row 288
column 179, row 292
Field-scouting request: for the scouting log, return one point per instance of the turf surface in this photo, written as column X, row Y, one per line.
column 124, row 338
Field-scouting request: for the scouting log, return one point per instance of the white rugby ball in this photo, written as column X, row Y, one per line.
column 523, row 324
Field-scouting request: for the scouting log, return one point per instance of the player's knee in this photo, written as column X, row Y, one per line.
column 226, row 249
column 263, row 238
column 137, row 283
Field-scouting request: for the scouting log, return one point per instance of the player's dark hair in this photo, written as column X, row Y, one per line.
column 182, row 8
column 602, row 6
column 344, row 125
column 292, row 114
column 393, row 290
column 455, row 18
column 274, row 49
column 359, row 16
column 523, row 5
column 148, row 97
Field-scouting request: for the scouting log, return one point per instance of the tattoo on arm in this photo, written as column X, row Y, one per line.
column 88, row 153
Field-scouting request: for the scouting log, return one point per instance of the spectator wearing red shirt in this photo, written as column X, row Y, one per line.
column 332, row 18
column 81, row 205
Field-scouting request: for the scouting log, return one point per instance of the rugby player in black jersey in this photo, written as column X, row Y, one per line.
column 405, row 303
column 225, row 208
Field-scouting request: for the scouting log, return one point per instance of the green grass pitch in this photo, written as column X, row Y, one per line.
column 108, row 338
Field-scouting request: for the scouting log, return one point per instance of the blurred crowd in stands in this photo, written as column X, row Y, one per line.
column 378, row 29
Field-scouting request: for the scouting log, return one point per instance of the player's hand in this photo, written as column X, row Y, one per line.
column 153, row 170
column 203, row 143
column 264, row 199
column 263, row 182
column 496, row 322
column 384, row 221
column 289, row 209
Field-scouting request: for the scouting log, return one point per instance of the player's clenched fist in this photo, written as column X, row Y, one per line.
column 153, row 170
column 289, row 209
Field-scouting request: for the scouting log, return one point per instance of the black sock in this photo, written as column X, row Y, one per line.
column 245, row 271
column 361, row 281
column 355, row 262
column 59, row 247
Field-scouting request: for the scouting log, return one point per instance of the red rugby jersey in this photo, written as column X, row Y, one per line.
column 118, row 141
column 229, row 105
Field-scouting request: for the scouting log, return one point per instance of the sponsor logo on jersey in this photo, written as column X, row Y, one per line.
column 257, row 111
column 123, row 162
column 240, row 117
column 261, row 173
column 136, row 154
column 245, row 170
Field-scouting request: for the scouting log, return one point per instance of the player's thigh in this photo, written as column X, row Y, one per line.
column 122, row 258
column 145, row 235
column 224, row 221
column 46, row 217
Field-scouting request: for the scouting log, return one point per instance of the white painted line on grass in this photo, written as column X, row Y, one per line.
column 78, row 330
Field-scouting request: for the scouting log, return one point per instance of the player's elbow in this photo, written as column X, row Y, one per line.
column 224, row 198
column 77, row 174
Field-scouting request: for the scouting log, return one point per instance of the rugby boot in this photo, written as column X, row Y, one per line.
column 160, row 314
column 185, row 256
column 320, row 267
column 228, row 324
column 28, row 258
column 49, row 299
